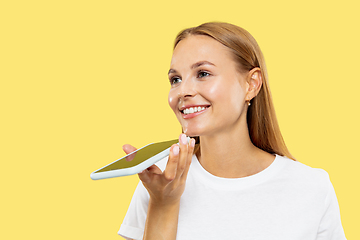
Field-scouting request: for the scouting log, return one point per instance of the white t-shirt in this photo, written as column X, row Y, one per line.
column 286, row 201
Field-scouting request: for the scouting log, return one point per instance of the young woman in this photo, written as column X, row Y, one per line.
column 239, row 181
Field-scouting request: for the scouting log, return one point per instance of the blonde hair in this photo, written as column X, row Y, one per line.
column 263, row 126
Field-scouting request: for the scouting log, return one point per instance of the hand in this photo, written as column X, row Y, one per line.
column 129, row 149
column 165, row 188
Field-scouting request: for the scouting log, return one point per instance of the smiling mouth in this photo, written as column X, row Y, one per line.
column 191, row 110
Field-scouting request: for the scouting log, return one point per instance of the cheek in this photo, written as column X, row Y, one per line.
column 215, row 91
column 225, row 92
column 172, row 100
column 236, row 95
column 218, row 90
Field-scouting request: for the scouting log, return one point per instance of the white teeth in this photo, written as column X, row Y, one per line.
column 193, row 110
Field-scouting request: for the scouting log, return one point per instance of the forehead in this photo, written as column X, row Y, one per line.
column 197, row 48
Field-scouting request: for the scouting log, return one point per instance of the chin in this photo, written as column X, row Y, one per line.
column 192, row 132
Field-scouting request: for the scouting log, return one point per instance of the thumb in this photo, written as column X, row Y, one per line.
column 148, row 174
column 154, row 169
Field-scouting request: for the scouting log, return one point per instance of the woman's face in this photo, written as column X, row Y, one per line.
column 207, row 91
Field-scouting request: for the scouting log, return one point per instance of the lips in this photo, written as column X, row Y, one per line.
column 193, row 111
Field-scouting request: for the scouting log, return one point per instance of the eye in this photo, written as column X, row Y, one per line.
column 175, row 80
column 202, row 74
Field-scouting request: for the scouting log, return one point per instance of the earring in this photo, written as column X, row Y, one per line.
column 248, row 102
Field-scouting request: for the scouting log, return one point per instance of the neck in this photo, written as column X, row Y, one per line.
column 232, row 155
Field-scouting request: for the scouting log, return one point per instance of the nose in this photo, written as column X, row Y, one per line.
column 187, row 89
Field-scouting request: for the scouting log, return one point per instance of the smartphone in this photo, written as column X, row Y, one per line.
column 135, row 162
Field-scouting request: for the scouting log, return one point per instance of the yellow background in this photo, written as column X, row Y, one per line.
column 81, row 78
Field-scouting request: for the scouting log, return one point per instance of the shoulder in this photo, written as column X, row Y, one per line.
column 300, row 174
column 299, row 169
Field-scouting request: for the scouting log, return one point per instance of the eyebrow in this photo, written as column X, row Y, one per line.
column 195, row 65
column 198, row 64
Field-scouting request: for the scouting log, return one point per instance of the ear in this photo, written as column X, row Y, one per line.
column 254, row 83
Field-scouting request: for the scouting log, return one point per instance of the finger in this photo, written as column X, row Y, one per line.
column 189, row 159
column 183, row 142
column 171, row 166
column 129, row 149
column 154, row 169
column 144, row 176
column 147, row 175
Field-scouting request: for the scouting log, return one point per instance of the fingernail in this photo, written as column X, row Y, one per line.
column 176, row 150
column 183, row 139
column 192, row 143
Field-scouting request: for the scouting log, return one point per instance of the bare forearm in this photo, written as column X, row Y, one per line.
column 165, row 190
column 161, row 222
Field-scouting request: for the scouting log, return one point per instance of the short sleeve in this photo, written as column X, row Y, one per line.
column 330, row 227
column 134, row 222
